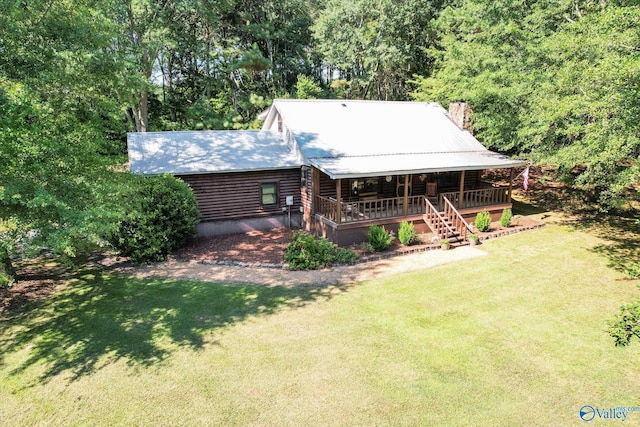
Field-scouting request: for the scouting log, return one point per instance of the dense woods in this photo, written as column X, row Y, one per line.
column 554, row 82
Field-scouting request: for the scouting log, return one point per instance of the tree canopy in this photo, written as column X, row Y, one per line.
column 556, row 83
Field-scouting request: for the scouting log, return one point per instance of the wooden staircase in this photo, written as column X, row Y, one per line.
column 446, row 223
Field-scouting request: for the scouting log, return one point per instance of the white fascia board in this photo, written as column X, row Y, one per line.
column 395, row 172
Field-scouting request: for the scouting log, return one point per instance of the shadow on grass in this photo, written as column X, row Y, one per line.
column 100, row 318
column 622, row 240
column 523, row 208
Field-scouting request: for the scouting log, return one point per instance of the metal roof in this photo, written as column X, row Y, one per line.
column 198, row 152
column 346, row 138
column 343, row 138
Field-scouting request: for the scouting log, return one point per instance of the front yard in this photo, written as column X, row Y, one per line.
column 514, row 338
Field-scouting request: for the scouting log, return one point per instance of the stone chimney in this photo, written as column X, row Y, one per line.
column 460, row 113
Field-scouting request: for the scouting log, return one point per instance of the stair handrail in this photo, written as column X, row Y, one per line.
column 429, row 207
column 459, row 218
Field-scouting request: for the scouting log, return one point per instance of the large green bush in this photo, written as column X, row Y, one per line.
column 483, row 221
column 306, row 252
column 161, row 214
column 379, row 238
column 406, row 233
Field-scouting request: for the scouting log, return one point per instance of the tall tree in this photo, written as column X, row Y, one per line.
column 376, row 46
column 55, row 84
column 554, row 82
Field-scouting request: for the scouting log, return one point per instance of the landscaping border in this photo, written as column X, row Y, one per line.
column 405, row 250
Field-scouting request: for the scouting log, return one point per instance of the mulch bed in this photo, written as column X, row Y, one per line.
column 267, row 247
column 37, row 279
column 251, row 247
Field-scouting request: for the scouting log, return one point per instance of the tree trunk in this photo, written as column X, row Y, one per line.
column 143, row 112
column 6, row 268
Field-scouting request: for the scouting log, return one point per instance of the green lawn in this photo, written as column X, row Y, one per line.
column 514, row 338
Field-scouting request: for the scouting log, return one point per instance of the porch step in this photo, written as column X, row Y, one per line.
column 454, row 237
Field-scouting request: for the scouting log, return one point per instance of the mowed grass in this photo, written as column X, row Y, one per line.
column 517, row 337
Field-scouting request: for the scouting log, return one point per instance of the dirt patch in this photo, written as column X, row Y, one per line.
column 37, row 279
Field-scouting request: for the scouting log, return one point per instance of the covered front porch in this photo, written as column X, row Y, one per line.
column 444, row 203
column 367, row 199
column 466, row 202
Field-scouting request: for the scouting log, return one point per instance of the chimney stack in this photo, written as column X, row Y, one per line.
column 460, row 114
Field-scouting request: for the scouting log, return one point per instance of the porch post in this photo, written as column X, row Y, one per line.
column 339, row 201
column 405, row 203
column 510, row 187
column 461, row 196
column 315, row 190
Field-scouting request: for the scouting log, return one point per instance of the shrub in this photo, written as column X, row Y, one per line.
column 626, row 325
column 406, row 233
column 379, row 238
column 345, row 256
column 7, row 272
column 505, row 219
column 306, row 252
column 5, row 281
column 365, row 247
column 483, row 220
column 161, row 215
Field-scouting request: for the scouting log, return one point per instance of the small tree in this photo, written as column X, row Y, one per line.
column 161, row 215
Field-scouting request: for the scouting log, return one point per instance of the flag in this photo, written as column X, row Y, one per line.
column 525, row 178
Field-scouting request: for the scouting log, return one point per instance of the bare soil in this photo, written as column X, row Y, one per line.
column 36, row 279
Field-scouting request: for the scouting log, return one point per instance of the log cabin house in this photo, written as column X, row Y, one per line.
column 333, row 167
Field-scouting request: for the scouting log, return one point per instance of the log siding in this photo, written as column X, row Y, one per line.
column 235, row 195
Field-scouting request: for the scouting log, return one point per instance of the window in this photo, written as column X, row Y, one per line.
column 269, row 193
column 448, row 180
column 365, row 187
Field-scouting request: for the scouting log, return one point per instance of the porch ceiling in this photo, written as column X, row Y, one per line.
column 401, row 164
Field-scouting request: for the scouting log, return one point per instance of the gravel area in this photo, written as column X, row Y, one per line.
column 339, row 275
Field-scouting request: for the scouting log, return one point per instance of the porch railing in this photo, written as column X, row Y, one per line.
column 455, row 219
column 436, row 221
column 477, row 198
column 362, row 210
column 448, row 223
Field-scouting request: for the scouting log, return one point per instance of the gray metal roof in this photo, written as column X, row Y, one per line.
column 359, row 138
column 197, row 152
column 342, row 138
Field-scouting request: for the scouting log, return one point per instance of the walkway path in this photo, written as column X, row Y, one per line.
column 193, row 270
